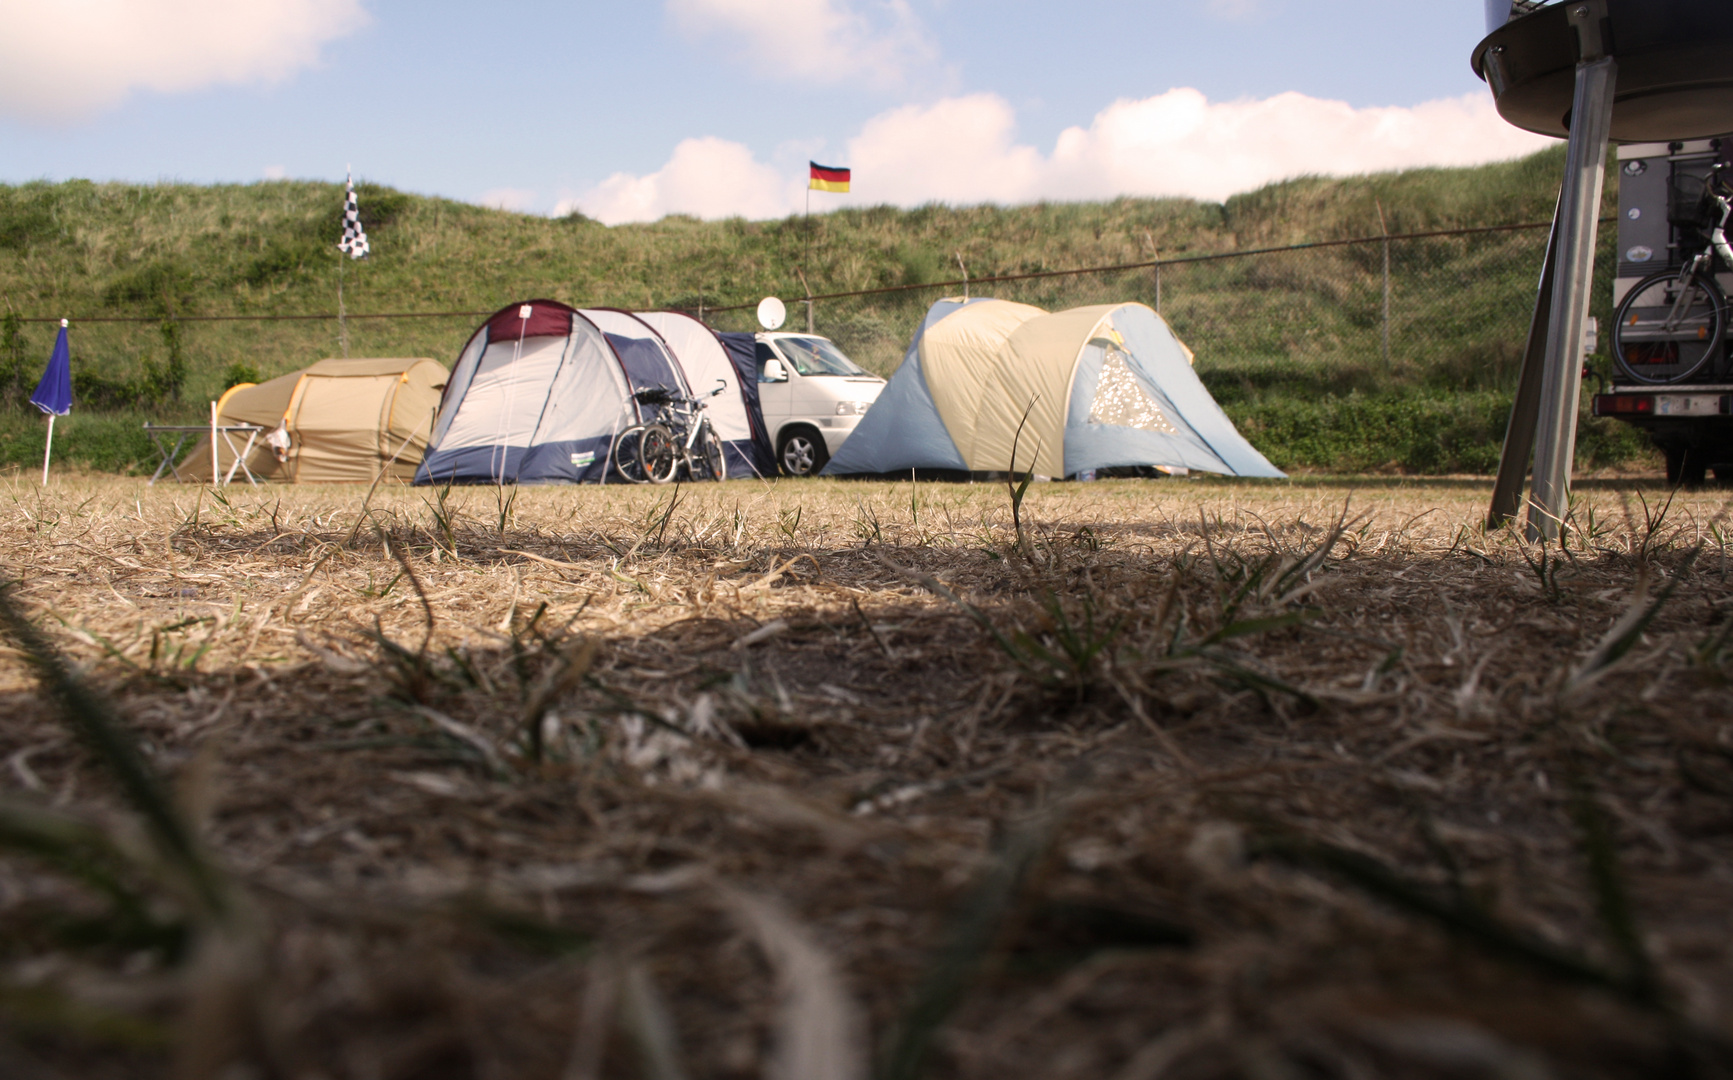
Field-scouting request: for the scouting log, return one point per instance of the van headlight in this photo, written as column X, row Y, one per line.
column 853, row 408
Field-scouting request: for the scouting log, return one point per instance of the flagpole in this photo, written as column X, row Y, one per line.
column 47, row 450
column 342, row 323
column 342, row 320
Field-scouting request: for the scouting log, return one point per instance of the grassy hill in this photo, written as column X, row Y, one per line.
column 1272, row 334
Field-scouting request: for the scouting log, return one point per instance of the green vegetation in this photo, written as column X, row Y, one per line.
column 107, row 441
column 1290, row 343
column 1414, row 430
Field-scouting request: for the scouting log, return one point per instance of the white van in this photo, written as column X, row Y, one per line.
column 812, row 396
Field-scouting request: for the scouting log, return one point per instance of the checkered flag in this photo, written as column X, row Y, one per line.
column 354, row 242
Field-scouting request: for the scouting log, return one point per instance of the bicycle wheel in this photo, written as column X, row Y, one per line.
column 1657, row 339
column 659, row 453
column 710, row 446
column 626, row 460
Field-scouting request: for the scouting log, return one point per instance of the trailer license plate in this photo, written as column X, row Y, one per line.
column 1688, row 404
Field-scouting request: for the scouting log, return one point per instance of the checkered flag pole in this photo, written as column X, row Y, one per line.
column 354, row 242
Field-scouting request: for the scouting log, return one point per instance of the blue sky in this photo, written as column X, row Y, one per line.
column 628, row 111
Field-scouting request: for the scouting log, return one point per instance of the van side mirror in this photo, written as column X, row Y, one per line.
column 773, row 371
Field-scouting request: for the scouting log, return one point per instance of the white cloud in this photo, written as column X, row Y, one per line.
column 880, row 42
column 275, row 172
column 960, row 150
column 1236, row 10
column 964, row 150
column 1177, row 143
column 65, row 60
column 708, row 177
column 508, row 198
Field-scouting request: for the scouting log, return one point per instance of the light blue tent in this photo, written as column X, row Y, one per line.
column 993, row 386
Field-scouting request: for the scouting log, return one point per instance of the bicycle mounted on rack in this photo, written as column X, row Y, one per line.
column 680, row 438
column 1671, row 326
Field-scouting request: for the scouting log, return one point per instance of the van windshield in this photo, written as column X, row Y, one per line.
column 816, row 356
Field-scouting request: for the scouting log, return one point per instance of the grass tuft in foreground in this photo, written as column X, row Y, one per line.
column 1174, row 778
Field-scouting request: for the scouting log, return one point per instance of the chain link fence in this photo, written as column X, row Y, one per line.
column 1345, row 315
column 1446, row 309
column 1391, row 353
column 1397, row 351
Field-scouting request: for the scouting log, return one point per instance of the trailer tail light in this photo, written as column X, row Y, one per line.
column 1624, row 404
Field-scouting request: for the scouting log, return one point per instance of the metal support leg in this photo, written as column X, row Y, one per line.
column 1579, row 212
column 168, row 456
column 1525, row 410
column 240, row 456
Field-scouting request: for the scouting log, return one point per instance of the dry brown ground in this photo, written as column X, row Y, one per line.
column 829, row 779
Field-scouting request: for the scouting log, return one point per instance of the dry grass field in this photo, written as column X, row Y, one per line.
column 1177, row 779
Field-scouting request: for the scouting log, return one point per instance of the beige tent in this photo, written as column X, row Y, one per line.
column 993, row 386
column 344, row 420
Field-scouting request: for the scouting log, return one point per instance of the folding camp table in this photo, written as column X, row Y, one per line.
column 182, row 432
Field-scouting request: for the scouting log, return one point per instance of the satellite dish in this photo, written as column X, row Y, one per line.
column 771, row 313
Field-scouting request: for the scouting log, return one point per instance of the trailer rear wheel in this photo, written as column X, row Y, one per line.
column 1687, row 466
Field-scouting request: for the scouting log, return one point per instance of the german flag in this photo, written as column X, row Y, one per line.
column 825, row 178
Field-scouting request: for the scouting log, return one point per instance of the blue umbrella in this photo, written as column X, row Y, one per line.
column 54, row 393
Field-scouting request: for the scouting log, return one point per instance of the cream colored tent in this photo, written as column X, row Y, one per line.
column 345, row 420
column 993, row 386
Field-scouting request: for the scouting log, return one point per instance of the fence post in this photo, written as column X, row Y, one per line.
column 965, row 270
column 807, row 301
column 1155, row 262
column 1385, row 232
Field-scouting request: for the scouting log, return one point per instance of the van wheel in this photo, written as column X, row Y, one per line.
column 801, row 452
column 1686, row 466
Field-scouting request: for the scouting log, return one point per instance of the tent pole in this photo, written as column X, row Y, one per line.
column 216, row 475
column 47, row 449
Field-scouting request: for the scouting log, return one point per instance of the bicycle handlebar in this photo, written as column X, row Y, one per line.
column 661, row 395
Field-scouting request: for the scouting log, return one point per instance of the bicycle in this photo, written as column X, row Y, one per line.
column 1670, row 326
column 654, row 452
